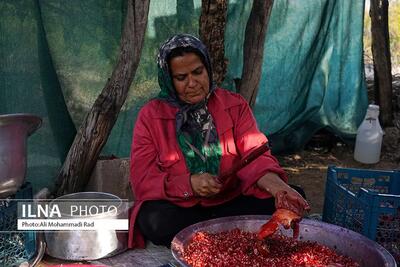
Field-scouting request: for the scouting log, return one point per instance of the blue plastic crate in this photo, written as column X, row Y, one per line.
column 15, row 247
column 365, row 201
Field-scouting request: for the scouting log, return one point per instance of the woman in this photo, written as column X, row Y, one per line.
column 185, row 139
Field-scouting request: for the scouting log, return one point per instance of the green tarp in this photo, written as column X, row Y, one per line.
column 56, row 55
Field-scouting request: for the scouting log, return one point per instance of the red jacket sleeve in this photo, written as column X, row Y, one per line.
column 248, row 137
column 148, row 177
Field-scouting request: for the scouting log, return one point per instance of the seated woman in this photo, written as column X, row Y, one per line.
column 188, row 136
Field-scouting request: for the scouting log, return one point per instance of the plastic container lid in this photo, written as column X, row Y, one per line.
column 373, row 107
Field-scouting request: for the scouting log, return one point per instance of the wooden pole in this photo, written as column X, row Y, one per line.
column 253, row 49
column 381, row 56
column 96, row 127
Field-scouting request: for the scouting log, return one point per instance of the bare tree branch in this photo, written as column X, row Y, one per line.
column 95, row 129
column 253, row 49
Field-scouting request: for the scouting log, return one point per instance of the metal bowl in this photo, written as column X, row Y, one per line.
column 14, row 131
column 345, row 242
column 83, row 244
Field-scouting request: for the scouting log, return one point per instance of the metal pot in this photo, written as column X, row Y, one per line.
column 14, row 130
column 88, row 245
column 346, row 242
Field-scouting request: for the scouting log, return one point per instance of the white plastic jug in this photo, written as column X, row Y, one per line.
column 369, row 137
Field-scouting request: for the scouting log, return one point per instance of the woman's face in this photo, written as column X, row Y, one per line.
column 190, row 78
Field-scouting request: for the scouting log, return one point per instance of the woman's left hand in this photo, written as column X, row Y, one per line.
column 290, row 206
column 285, row 196
column 290, row 199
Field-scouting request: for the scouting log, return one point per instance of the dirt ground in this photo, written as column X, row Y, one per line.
column 308, row 167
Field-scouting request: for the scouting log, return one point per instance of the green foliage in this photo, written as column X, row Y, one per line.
column 394, row 34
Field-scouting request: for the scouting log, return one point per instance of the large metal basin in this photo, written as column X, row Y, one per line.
column 88, row 245
column 14, row 130
column 346, row 242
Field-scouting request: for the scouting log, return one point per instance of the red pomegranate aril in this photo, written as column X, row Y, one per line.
column 240, row 248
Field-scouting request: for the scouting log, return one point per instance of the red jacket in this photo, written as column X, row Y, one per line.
column 158, row 168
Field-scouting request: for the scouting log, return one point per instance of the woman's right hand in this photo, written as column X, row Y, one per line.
column 204, row 184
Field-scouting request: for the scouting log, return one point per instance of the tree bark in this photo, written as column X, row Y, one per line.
column 253, row 49
column 212, row 32
column 381, row 56
column 96, row 127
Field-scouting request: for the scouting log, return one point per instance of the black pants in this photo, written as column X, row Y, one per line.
column 160, row 220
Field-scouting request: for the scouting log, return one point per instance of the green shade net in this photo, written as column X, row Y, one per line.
column 56, row 56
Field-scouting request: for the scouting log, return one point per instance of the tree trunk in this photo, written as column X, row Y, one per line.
column 381, row 57
column 253, row 49
column 212, row 31
column 96, row 127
